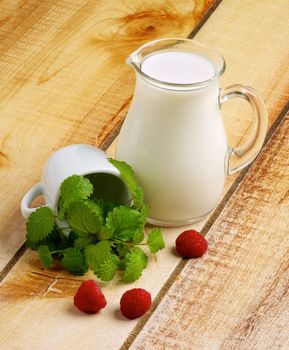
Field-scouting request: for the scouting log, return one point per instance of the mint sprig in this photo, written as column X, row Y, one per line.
column 89, row 233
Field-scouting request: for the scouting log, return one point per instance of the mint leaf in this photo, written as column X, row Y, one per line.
column 32, row 245
column 138, row 198
column 74, row 262
column 126, row 172
column 85, row 216
column 83, row 241
column 101, row 260
column 123, row 222
column 144, row 212
column 61, row 210
column 122, row 249
column 138, row 236
column 135, row 262
column 108, row 268
column 45, row 256
column 51, row 241
column 96, row 254
column 105, row 206
column 104, row 234
column 121, row 264
column 128, row 177
column 155, row 240
column 72, row 189
column 40, row 224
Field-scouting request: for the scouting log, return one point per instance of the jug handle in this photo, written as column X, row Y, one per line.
column 240, row 156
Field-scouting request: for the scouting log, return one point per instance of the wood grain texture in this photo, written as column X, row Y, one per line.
column 63, row 80
column 236, row 296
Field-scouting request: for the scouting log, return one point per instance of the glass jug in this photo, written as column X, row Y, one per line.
column 173, row 135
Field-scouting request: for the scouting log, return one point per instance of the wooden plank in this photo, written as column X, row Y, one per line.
column 48, row 306
column 63, row 80
column 236, row 296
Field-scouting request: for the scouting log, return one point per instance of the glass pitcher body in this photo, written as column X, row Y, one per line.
column 174, row 139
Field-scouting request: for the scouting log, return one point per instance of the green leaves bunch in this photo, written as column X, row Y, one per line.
column 89, row 233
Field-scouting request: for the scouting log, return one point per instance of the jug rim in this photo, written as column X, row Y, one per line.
column 135, row 60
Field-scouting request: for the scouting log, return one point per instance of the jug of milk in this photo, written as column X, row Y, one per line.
column 173, row 135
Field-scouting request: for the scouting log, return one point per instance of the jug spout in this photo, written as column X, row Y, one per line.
column 133, row 60
column 129, row 60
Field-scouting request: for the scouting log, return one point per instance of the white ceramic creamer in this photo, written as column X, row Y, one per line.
column 173, row 135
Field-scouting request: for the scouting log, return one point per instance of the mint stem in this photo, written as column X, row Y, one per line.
column 56, row 251
column 61, row 229
column 130, row 244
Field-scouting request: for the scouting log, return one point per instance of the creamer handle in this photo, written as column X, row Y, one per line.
column 28, row 198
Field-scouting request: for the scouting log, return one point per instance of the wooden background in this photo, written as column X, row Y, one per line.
column 63, row 80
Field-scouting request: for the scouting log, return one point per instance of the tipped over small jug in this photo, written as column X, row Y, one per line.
column 173, row 135
column 77, row 159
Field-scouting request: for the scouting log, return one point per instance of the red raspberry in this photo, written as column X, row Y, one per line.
column 191, row 244
column 89, row 297
column 135, row 302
